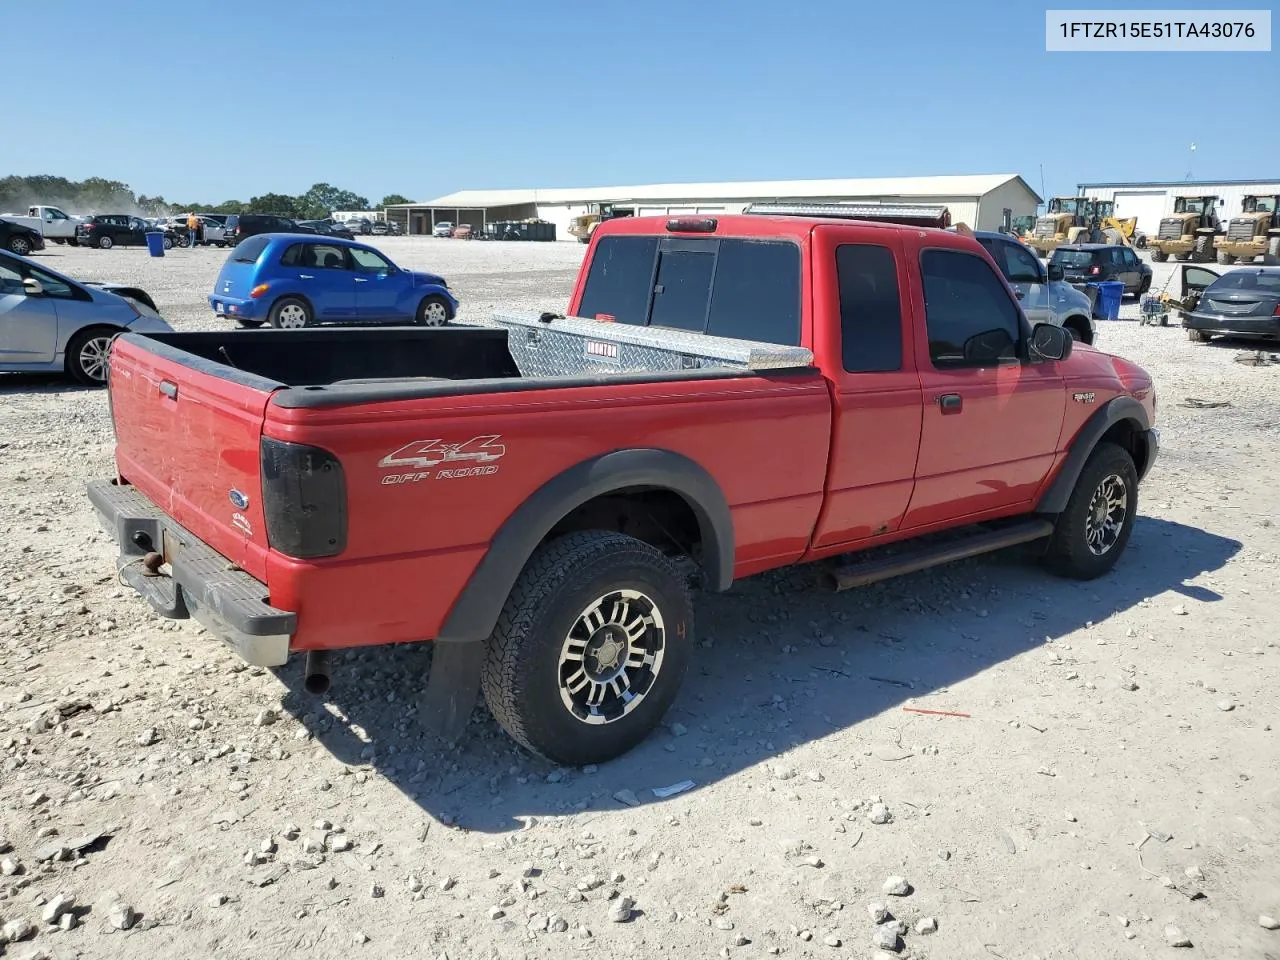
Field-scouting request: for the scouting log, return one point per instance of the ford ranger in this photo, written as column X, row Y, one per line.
column 723, row 395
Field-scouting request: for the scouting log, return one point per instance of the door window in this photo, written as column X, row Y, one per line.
column 368, row 261
column 10, row 280
column 1020, row 266
column 53, row 287
column 292, row 257
column 970, row 317
column 1130, row 258
column 870, row 313
column 324, row 256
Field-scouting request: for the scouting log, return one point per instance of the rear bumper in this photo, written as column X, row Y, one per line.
column 201, row 583
column 235, row 308
column 1213, row 323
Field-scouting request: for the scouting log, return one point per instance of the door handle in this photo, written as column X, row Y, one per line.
column 951, row 403
column 362, row 279
column 306, row 276
column 169, row 389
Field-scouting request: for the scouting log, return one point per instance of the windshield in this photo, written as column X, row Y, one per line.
column 1265, row 205
column 1073, row 258
column 1249, row 280
column 1193, row 206
column 1069, row 205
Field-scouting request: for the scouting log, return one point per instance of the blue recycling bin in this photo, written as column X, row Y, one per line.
column 155, row 243
column 1110, row 293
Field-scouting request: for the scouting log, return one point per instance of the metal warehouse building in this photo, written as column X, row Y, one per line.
column 983, row 201
column 1151, row 201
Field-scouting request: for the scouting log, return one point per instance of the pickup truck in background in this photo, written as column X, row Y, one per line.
column 726, row 395
column 51, row 222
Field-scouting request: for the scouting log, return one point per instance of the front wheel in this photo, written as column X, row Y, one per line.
column 87, row 356
column 167, row 243
column 1226, row 259
column 1159, row 256
column 1094, row 528
column 433, row 311
column 19, row 245
column 591, row 647
column 290, row 313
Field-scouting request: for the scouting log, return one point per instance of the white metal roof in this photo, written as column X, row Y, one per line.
column 954, row 186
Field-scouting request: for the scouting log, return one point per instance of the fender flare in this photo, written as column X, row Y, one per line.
column 476, row 611
column 1054, row 499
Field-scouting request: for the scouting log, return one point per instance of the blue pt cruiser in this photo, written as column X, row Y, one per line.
column 299, row 280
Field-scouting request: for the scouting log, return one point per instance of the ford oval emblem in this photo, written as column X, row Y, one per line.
column 238, row 499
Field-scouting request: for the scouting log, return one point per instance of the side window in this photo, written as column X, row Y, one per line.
column 969, row 315
column 620, row 279
column 1130, row 258
column 10, row 280
column 53, row 287
column 683, row 288
column 1020, row 265
column 292, row 257
column 324, row 256
column 368, row 261
column 870, row 314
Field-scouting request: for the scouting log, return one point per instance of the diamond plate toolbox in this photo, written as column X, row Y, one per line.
column 566, row 346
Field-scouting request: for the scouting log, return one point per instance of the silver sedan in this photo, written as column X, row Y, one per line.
column 53, row 324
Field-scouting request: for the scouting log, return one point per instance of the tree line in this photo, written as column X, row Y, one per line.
column 97, row 195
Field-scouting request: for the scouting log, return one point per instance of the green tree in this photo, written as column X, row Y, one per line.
column 323, row 198
column 392, row 199
column 277, row 203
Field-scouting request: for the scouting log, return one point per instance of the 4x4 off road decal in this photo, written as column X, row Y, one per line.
column 422, row 455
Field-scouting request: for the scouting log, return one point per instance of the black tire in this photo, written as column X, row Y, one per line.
column 105, row 243
column 1159, row 256
column 528, row 675
column 1198, row 336
column 19, row 245
column 249, row 324
column 167, row 243
column 433, row 311
column 285, row 316
column 73, row 242
column 1082, row 547
column 87, row 354
column 1203, row 250
column 1078, row 327
column 1144, row 286
column 1226, row 259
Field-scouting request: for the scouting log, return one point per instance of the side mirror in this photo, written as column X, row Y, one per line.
column 1050, row 342
column 1056, row 273
column 32, row 287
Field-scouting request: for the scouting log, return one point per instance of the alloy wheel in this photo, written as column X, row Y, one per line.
column 1108, row 509
column 93, row 358
column 611, row 656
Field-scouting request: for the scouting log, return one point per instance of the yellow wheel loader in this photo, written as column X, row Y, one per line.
column 1255, row 233
column 1190, row 233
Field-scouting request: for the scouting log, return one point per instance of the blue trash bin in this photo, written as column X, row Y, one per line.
column 155, row 242
column 1110, row 293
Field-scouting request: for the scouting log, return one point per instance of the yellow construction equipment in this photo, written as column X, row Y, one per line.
column 1190, row 232
column 585, row 225
column 1070, row 220
column 1256, row 233
column 1122, row 232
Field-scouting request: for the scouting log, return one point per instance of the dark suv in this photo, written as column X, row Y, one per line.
column 240, row 226
column 1096, row 262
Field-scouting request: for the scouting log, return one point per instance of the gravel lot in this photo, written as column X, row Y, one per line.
column 1113, row 789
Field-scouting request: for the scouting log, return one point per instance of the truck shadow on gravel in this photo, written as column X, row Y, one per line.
column 781, row 661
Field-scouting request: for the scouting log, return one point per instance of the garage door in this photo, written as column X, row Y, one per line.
column 1146, row 205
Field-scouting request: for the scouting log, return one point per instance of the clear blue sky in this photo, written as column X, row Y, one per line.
column 209, row 101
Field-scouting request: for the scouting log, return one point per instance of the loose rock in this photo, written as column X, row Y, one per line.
column 886, row 938
column 1176, row 938
column 897, row 887
column 56, row 907
column 1268, row 923
column 19, row 928
column 122, row 916
column 831, row 940
column 879, row 911
column 621, row 910
column 10, row 867
column 148, row 737
column 879, row 813
column 1226, row 706
column 926, row 925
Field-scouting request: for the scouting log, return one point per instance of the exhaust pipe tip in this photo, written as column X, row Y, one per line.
column 316, row 678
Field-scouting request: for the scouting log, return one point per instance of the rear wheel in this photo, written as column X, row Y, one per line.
column 1226, row 259
column 590, row 648
column 87, row 355
column 105, row 243
column 1198, row 336
column 19, row 245
column 167, row 243
column 73, row 242
column 290, row 313
column 1078, row 327
column 1094, row 528
column 433, row 311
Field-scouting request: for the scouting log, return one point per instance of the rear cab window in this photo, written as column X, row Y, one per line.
column 721, row 286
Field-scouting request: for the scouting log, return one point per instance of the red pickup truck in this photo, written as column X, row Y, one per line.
column 723, row 396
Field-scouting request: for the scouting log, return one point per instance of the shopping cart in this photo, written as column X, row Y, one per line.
column 1155, row 310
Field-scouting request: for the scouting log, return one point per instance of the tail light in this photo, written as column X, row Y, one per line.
column 1095, row 271
column 259, row 290
column 304, row 499
column 1276, row 311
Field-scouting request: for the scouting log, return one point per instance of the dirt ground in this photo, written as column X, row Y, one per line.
column 1104, row 769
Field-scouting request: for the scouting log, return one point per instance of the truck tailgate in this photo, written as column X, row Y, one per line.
column 189, row 440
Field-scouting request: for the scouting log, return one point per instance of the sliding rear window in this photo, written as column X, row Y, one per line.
column 748, row 289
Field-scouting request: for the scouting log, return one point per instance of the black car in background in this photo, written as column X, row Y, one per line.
column 330, row 228
column 1245, row 301
column 108, row 230
column 244, row 225
column 382, row 228
column 19, row 238
column 1097, row 262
